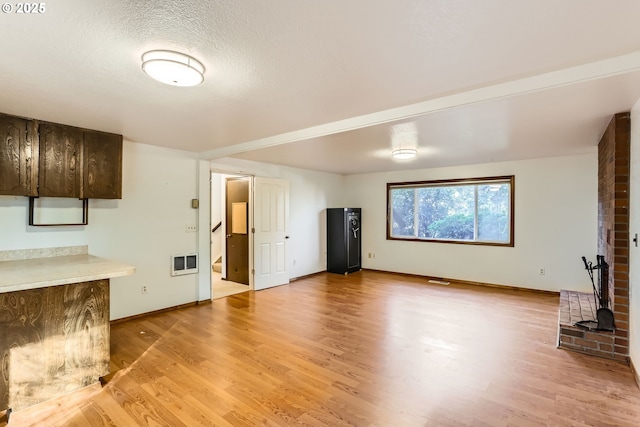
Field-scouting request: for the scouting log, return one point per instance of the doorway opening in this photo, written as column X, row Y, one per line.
column 230, row 234
column 249, row 237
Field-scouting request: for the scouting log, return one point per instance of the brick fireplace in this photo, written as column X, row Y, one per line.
column 613, row 244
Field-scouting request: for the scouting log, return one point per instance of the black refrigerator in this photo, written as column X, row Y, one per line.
column 344, row 242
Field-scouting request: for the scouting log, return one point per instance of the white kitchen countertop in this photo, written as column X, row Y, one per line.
column 35, row 273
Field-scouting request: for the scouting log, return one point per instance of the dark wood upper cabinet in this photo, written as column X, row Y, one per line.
column 60, row 161
column 42, row 159
column 102, row 169
column 18, row 156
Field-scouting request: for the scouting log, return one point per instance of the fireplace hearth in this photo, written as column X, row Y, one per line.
column 576, row 307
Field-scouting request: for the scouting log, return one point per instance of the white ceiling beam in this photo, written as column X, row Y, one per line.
column 568, row 76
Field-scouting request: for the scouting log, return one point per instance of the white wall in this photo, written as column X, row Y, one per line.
column 148, row 224
column 634, row 251
column 143, row 229
column 15, row 233
column 310, row 193
column 204, row 231
column 555, row 224
column 147, row 227
column 556, row 209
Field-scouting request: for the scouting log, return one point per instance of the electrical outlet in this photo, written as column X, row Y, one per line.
column 191, row 228
column 541, row 271
column 143, row 289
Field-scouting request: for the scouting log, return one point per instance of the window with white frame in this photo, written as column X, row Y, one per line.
column 475, row 211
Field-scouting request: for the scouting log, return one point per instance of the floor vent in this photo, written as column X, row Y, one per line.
column 184, row 264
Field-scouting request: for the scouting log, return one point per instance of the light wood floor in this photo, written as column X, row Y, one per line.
column 369, row 349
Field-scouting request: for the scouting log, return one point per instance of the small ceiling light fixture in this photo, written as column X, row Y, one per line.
column 404, row 153
column 173, row 68
column 404, row 141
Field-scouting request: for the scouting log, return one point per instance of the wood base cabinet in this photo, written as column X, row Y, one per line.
column 52, row 340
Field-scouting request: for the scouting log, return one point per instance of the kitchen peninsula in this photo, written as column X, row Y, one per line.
column 54, row 322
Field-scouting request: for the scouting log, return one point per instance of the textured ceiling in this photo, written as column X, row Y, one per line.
column 318, row 84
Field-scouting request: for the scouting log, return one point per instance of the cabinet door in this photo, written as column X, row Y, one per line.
column 52, row 341
column 86, row 332
column 102, row 169
column 60, row 161
column 23, row 347
column 18, row 156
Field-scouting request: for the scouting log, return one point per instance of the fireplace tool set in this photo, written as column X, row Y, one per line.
column 604, row 315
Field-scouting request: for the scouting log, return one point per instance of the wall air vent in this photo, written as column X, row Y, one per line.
column 184, row 264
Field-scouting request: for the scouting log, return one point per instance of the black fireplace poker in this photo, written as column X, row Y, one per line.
column 603, row 314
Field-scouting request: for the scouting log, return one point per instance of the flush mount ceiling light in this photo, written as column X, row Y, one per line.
column 404, row 141
column 404, row 153
column 173, row 68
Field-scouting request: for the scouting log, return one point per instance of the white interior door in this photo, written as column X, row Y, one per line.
column 271, row 216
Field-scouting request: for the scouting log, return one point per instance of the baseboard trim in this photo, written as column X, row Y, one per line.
column 162, row 310
column 468, row 282
column 306, row 276
column 293, row 279
column 190, row 304
column 635, row 372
